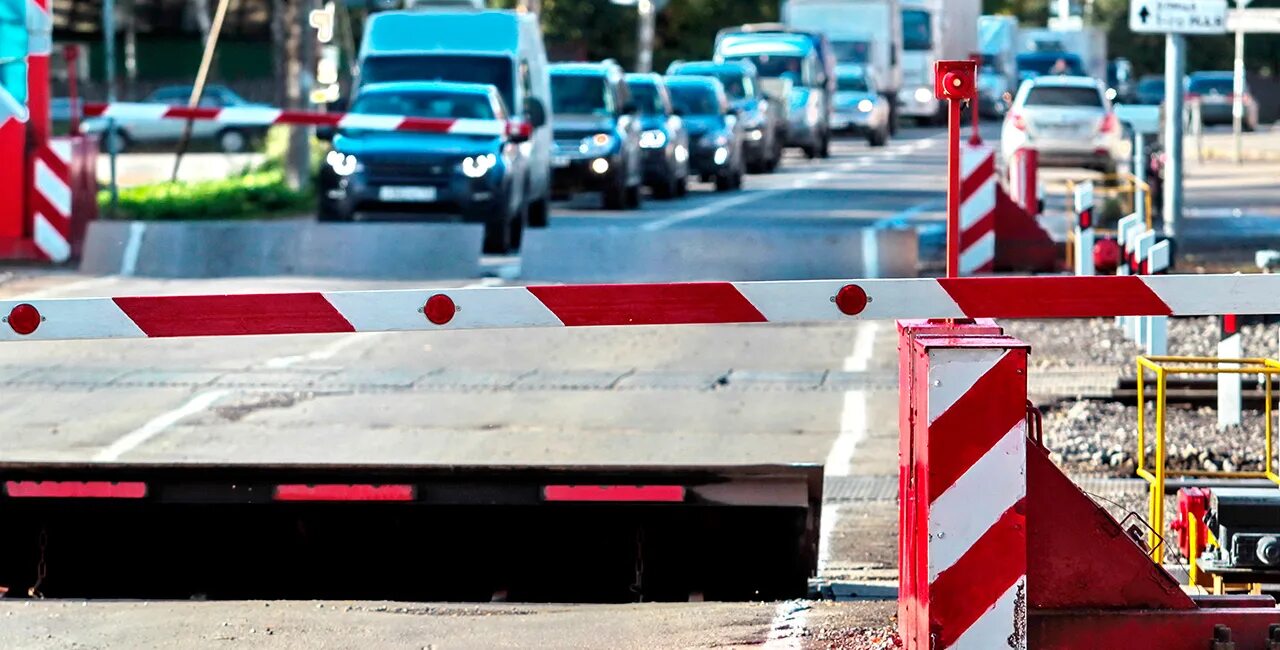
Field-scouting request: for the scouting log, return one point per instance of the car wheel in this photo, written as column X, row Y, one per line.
column 615, row 197
column 665, row 189
column 634, row 197
column 878, row 138
column 540, row 213
column 497, row 232
column 810, row 152
column 724, row 182
column 515, row 229
column 233, row 141
column 824, row 148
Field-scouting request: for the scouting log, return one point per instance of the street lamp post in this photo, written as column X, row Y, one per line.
column 1237, row 99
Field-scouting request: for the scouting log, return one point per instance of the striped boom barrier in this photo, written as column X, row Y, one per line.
column 265, row 116
column 977, row 209
column 639, row 304
column 965, row 556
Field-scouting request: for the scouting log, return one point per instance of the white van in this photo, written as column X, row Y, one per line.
column 500, row 48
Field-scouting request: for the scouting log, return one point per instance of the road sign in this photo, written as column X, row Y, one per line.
column 1254, row 21
column 1178, row 17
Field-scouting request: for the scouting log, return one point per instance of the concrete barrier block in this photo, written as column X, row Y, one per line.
column 734, row 254
column 198, row 249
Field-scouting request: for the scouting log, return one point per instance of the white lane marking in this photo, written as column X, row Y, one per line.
column 132, row 248
column 786, row 631
column 159, row 424
column 327, row 352
column 797, row 184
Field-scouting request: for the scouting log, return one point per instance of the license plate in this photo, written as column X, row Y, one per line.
column 560, row 161
column 412, row 194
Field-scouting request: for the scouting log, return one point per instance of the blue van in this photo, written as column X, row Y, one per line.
column 503, row 49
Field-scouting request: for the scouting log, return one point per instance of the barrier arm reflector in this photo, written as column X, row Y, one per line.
column 638, row 304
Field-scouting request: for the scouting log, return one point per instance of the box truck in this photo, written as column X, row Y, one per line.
column 932, row 31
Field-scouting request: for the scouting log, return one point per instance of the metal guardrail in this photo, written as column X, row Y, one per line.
column 1155, row 475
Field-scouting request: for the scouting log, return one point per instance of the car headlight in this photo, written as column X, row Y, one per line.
column 653, row 139
column 478, row 166
column 923, row 95
column 596, row 145
column 343, row 164
column 866, row 105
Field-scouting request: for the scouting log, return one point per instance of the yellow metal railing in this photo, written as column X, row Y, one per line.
column 1128, row 186
column 1162, row 367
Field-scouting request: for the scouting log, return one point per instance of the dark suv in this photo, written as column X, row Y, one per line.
column 762, row 126
column 597, row 134
column 664, row 140
column 475, row 172
column 715, row 133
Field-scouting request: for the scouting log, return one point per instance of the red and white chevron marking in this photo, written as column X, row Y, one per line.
column 51, row 199
column 640, row 304
column 266, row 116
column 977, row 209
column 977, row 486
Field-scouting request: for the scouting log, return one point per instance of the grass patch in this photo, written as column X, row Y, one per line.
column 256, row 193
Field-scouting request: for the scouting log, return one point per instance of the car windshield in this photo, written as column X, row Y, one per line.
column 694, row 100
column 736, row 83
column 775, row 65
column 646, row 98
column 580, row 94
column 491, row 70
column 1064, row 96
column 851, row 51
column 1212, row 86
column 421, row 103
column 855, row 83
column 1057, row 64
column 917, row 30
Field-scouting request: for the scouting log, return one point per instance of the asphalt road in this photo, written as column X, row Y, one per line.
column 669, row 395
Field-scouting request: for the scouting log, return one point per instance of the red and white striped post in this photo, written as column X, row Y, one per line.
column 1230, row 346
column 977, row 209
column 955, row 82
column 1084, row 213
column 963, row 487
column 1024, row 181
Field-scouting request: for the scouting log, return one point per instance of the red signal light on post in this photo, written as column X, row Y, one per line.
column 955, row 80
column 1086, row 218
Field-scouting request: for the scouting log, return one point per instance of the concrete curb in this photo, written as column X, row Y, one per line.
column 204, row 249
column 733, row 254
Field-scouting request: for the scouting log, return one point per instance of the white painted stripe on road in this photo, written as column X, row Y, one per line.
column 710, row 208
column 853, row 429
column 159, row 424
column 977, row 500
column 132, row 248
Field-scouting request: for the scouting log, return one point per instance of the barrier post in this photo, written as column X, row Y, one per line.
column 963, row 486
column 1141, row 254
column 1126, row 230
column 1229, row 383
column 1084, row 228
column 954, row 82
column 1157, row 341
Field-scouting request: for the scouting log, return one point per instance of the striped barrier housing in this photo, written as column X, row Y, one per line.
column 639, row 304
column 977, row 209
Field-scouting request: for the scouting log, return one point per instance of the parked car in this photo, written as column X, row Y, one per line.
column 1036, row 64
column 479, row 175
column 1069, row 120
column 762, row 124
column 803, row 57
column 500, row 48
column 597, row 134
column 715, row 132
column 1150, row 90
column 1214, row 93
column 231, row 138
column 664, row 141
column 860, row 107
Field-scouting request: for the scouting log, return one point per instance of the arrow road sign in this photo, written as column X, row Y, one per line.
column 1178, row 16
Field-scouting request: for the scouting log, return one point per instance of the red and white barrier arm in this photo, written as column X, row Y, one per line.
column 265, row 116
column 639, row 304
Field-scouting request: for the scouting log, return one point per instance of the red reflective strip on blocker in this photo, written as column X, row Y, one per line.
column 1055, row 297
column 282, row 313
column 75, row 489
column 1229, row 326
column 648, row 304
column 648, row 493
column 344, row 493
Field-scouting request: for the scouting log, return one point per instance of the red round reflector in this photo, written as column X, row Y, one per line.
column 440, row 309
column 1106, row 255
column 851, row 299
column 24, row 319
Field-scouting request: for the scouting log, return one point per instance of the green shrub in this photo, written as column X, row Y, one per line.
column 251, row 195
